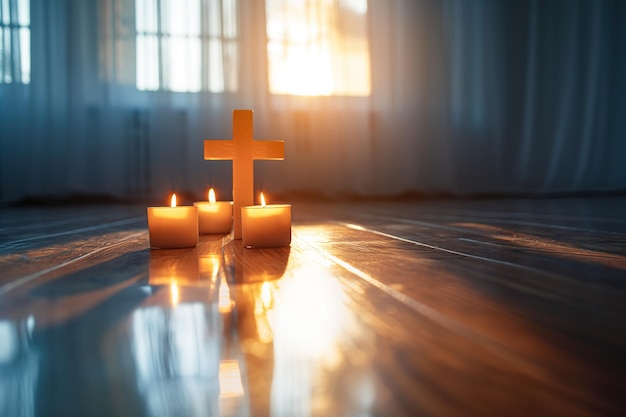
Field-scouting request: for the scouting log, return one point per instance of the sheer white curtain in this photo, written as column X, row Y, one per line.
column 103, row 115
column 473, row 96
column 121, row 100
column 534, row 95
column 173, row 71
column 320, row 94
column 464, row 96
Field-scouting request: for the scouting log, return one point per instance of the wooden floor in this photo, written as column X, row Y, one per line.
column 413, row 308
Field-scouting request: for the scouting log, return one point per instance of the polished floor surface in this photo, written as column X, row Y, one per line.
column 402, row 308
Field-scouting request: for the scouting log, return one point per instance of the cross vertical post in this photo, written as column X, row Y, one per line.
column 243, row 150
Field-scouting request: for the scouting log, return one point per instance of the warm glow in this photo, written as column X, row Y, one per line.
column 224, row 302
column 318, row 47
column 230, row 379
column 174, row 293
column 309, row 316
column 262, row 200
column 173, row 203
column 266, row 295
column 303, row 73
column 264, row 303
column 209, row 266
column 212, row 196
column 215, row 267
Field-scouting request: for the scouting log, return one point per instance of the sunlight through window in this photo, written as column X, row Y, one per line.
column 318, row 47
column 15, row 41
column 186, row 45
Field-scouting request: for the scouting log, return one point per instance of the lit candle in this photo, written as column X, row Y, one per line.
column 266, row 226
column 214, row 216
column 173, row 227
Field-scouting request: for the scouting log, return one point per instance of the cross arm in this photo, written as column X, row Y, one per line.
column 219, row 150
column 268, row 149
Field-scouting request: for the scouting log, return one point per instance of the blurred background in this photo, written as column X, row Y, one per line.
column 375, row 98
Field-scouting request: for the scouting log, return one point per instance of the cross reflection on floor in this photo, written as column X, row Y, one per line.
column 272, row 329
column 186, row 351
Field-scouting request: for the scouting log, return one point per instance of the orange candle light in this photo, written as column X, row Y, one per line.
column 266, row 226
column 173, row 227
column 214, row 216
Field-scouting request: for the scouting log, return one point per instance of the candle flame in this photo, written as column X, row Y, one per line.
column 211, row 196
column 173, row 204
column 262, row 200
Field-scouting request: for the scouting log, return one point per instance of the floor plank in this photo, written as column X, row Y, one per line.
column 390, row 308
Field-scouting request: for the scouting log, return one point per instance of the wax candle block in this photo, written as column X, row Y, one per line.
column 173, row 227
column 214, row 216
column 266, row 226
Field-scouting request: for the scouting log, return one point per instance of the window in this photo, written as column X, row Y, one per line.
column 318, row 47
column 186, row 45
column 15, row 41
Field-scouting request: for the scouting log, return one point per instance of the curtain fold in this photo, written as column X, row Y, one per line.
column 552, row 70
column 467, row 96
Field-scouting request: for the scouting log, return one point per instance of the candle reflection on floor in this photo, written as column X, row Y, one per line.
column 180, row 266
column 224, row 303
column 175, row 293
column 209, row 265
column 186, row 355
column 272, row 334
column 262, row 310
column 297, row 333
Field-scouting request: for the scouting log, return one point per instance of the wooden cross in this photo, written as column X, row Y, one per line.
column 243, row 150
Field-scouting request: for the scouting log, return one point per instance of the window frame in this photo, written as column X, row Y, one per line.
column 230, row 82
column 12, row 64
